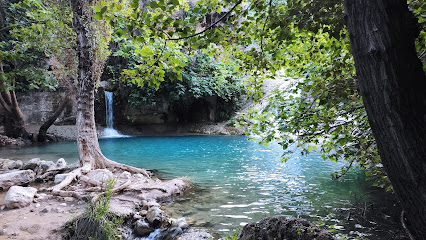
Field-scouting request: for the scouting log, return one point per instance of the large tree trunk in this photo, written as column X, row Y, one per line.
column 393, row 86
column 90, row 153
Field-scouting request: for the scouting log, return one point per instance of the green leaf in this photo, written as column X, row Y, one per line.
column 98, row 16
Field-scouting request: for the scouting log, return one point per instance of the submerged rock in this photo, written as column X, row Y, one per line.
column 18, row 197
column 18, row 178
column 196, row 234
column 280, row 227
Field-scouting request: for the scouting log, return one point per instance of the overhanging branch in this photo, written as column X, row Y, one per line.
column 209, row 27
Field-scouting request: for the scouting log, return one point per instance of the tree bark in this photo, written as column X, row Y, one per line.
column 393, row 85
column 90, row 153
column 14, row 119
column 41, row 137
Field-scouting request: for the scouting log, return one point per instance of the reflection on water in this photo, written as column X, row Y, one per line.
column 236, row 181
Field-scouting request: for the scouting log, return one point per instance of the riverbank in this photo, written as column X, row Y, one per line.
column 30, row 210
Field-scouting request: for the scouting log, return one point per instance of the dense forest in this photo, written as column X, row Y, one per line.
column 354, row 70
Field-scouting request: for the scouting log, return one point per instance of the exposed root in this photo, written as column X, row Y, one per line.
column 74, row 194
column 68, row 180
column 153, row 188
column 122, row 186
column 114, row 165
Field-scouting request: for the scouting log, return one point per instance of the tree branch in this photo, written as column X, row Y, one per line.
column 209, row 27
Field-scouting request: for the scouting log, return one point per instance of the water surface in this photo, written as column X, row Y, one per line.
column 236, row 181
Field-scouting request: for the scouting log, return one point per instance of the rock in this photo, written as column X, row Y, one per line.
column 6, row 141
column 149, row 204
column 60, row 177
column 171, row 233
column 154, row 216
column 18, row 197
column 43, row 166
column 197, row 234
column 7, row 164
column 280, row 227
column 18, row 178
column 45, row 210
column 100, row 175
column 31, row 164
column 142, row 228
column 61, row 163
column 63, row 204
column 143, row 212
column 180, row 222
column 125, row 175
column 17, row 165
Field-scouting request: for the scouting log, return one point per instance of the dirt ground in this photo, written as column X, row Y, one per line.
column 40, row 220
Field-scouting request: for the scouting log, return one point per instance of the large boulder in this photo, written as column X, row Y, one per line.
column 19, row 178
column 142, row 228
column 31, row 164
column 43, row 166
column 18, row 197
column 100, row 175
column 280, row 227
column 7, row 164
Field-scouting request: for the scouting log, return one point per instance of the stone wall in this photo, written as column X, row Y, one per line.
column 38, row 106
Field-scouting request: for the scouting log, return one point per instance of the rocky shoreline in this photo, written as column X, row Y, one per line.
column 28, row 197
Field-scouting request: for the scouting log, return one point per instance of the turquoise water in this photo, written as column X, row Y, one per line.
column 236, row 181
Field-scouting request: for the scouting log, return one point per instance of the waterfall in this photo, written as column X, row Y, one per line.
column 109, row 131
column 109, row 110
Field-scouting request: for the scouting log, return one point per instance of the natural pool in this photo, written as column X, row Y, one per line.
column 236, row 181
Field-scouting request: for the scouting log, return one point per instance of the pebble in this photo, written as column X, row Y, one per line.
column 45, row 210
column 63, row 204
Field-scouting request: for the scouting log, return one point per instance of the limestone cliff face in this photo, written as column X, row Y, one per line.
column 38, row 106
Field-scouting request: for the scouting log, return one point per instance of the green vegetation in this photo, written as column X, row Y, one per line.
column 97, row 222
column 356, row 102
column 202, row 78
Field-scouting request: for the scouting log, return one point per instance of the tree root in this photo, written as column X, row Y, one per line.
column 68, row 180
column 79, row 173
column 114, row 165
column 74, row 194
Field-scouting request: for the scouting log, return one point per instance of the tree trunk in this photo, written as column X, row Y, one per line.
column 41, row 137
column 90, row 153
column 14, row 119
column 393, row 85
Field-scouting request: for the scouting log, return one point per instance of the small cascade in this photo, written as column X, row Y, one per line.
column 109, row 131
